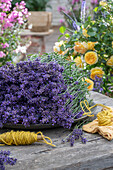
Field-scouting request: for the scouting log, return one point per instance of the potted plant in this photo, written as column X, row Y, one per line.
column 40, row 19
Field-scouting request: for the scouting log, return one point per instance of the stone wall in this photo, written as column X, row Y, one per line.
column 56, row 15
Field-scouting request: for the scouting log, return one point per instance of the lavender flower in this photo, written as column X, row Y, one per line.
column 83, row 12
column 34, row 92
column 98, row 84
column 5, row 159
column 76, row 134
column 71, row 20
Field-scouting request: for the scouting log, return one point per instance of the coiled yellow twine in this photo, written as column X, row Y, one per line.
column 23, row 138
column 105, row 117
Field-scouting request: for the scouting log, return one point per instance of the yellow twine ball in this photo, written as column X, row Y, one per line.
column 23, row 138
column 105, row 118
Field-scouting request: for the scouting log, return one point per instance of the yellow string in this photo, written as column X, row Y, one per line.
column 105, row 117
column 23, row 138
column 85, row 102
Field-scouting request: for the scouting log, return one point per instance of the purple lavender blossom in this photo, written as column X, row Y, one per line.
column 98, row 84
column 5, row 159
column 79, row 114
column 32, row 93
column 76, row 134
column 83, row 11
column 74, row 22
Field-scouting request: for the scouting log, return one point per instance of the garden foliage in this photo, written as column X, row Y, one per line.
column 91, row 46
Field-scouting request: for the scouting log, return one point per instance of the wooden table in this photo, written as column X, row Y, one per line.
column 34, row 36
column 96, row 154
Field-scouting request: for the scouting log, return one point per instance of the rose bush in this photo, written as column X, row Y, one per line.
column 91, row 46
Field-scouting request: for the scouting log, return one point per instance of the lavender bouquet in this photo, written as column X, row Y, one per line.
column 73, row 78
column 33, row 92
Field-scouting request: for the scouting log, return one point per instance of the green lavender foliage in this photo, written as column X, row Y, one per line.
column 73, row 78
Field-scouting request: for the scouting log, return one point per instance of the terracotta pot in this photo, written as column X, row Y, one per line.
column 41, row 21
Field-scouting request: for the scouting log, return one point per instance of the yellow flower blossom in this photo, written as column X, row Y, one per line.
column 91, row 58
column 112, row 44
column 79, row 62
column 102, row 3
column 110, row 61
column 90, row 87
column 97, row 71
column 91, row 45
column 80, row 47
column 84, row 32
column 57, row 46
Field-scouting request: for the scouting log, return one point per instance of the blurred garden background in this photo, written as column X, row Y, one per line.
column 55, row 7
column 58, row 19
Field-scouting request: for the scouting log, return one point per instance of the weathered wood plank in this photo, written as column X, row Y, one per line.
column 96, row 154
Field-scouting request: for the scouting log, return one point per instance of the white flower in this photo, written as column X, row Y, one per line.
column 21, row 49
column 57, row 46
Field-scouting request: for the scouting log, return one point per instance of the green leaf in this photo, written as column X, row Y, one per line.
column 62, row 47
column 96, row 9
column 78, row 23
column 94, row 29
column 97, row 46
column 62, row 29
column 60, row 36
column 103, row 61
column 91, row 33
column 67, row 35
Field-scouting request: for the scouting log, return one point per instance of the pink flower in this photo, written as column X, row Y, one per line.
column 22, row 3
column 94, row 1
column 5, row 45
column 61, row 9
column 5, row 5
column 61, row 21
column 75, row 1
column 7, row 24
column 25, row 11
column 2, row 54
column 20, row 20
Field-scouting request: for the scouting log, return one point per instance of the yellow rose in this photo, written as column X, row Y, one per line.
column 79, row 62
column 91, row 45
column 97, row 71
column 84, row 32
column 80, row 47
column 112, row 44
column 90, row 87
column 110, row 61
column 91, row 58
column 102, row 3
